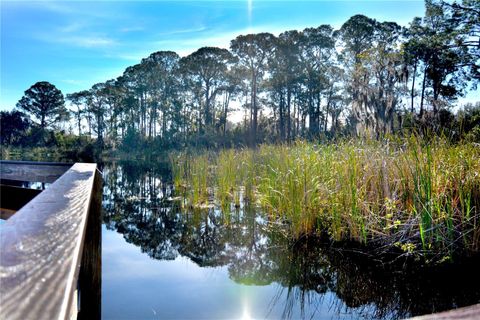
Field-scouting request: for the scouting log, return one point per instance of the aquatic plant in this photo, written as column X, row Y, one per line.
column 421, row 198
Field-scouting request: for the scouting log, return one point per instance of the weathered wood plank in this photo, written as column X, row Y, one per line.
column 46, row 172
column 41, row 248
column 5, row 214
column 466, row 313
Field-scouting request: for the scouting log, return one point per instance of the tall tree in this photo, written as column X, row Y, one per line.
column 285, row 70
column 445, row 44
column 464, row 16
column 412, row 51
column 318, row 60
column 135, row 81
column 253, row 51
column 161, row 73
column 97, row 106
column 383, row 66
column 207, row 68
column 357, row 35
column 45, row 102
column 440, row 60
column 79, row 100
column 230, row 89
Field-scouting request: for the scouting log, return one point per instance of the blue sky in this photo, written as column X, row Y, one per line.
column 75, row 44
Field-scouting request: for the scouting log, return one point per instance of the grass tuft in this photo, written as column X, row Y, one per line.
column 422, row 198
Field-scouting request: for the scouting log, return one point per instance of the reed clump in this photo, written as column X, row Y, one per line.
column 421, row 198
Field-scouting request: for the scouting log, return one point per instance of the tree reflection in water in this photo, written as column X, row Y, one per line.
column 139, row 203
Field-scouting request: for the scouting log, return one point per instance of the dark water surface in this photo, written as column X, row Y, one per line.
column 160, row 262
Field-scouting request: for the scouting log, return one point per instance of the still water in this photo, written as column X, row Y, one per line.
column 162, row 262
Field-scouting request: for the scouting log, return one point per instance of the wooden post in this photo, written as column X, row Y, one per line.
column 90, row 278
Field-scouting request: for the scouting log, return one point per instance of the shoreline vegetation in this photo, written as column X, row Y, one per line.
column 355, row 93
column 415, row 198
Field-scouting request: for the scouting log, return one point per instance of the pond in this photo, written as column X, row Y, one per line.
column 160, row 261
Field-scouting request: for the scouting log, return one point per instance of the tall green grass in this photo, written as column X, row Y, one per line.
column 417, row 196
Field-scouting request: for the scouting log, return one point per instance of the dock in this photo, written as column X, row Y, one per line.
column 50, row 245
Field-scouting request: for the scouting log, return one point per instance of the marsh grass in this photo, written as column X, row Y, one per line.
column 422, row 198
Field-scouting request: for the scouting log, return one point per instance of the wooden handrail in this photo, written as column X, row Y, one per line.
column 465, row 313
column 41, row 247
column 46, row 172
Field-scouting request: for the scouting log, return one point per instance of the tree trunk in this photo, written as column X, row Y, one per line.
column 282, row 116
column 254, row 108
column 225, row 112
column 327, row 108
column 333, row 128
column 289, row 125
column 423, row 91
column 79, row 119
column 208, row 115
column 313, row 122
column 413, row 86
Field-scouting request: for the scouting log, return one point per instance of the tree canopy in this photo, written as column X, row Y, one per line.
column 44, row 102
column 13, row 127
column 368, row 78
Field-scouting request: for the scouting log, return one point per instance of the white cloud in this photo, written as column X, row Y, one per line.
column 132, row 29
column 187, row 45
column 90, row 42
column 250, row 10
column 82, row 41
column 134, row 57
column 71, row 27
column 75, row 9
column 54, row 6
column 74, row 82
column 183, row 31
column 213, row 38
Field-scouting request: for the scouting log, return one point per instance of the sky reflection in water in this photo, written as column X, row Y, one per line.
column 136, row 286
column 162, row 262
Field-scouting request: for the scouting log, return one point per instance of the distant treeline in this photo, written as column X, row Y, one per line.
column 367, row 79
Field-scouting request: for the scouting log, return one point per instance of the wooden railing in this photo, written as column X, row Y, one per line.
column 45, row 172
column 50, row 254
column 465, row 313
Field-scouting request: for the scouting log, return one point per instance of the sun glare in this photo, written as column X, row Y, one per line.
column 250, row 9
column 245, row 316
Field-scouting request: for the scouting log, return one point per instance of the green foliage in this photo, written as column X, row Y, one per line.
column 403, row 193
column 13, row 127
column 46, row 145
column 45, row 103
column 39, row 137
column 206, row 70
column 133, row 141
column 469, row 122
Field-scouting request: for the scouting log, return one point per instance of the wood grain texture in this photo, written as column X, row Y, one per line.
column 46, row 172
column 466, row 313
column 41, row 248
